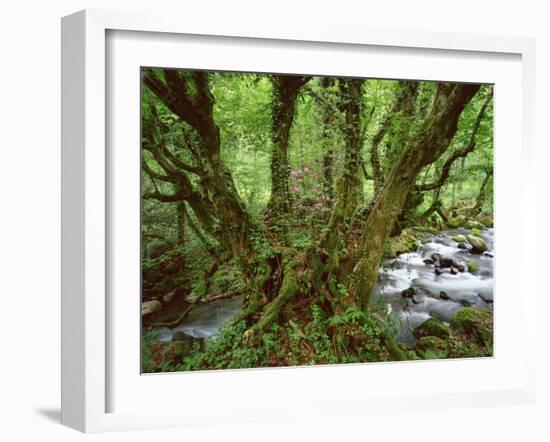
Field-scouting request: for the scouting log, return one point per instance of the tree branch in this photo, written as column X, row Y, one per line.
column 406, row 94
column 461, row 153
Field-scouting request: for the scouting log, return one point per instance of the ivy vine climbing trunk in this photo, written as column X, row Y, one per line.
column 188, row 96
column 283, row 108
column 348, row 192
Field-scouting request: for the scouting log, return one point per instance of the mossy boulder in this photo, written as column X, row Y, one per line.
column 432, row 327
column 432, row 347
column 456, row 221
column 459, row 238
column 478, row 244
column 473, row 266
column 409, row 292
column 474, row 225
column 426, row 229
column 404, row 243
column 486, row 220
column 476, row 232
column 476, row 323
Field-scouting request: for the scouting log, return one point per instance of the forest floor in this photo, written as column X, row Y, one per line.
column 433, row 300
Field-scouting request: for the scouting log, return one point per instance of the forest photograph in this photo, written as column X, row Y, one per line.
column 296, row 220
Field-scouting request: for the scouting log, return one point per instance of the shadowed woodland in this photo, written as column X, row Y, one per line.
column 271, row 205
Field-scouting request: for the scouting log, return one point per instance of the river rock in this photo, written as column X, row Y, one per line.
column 476, row 232
column 462, row 246
column 447, row 262
column 459, row 238
column 478, row 244
column 488, row 298
column 474, row 225
column 408, row 293
column 432, row 327
column 149, row 307
column 444, row 296
column 428, row 261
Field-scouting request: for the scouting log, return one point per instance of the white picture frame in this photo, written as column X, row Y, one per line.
column 86, row 210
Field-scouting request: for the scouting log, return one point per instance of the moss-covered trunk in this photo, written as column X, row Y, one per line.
column 217, row 204
column 349, row 192
column 427, row 146
column 283, row 108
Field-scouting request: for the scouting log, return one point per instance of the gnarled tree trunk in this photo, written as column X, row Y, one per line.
column 285, row 92
column 188, row 96
column 427, row 146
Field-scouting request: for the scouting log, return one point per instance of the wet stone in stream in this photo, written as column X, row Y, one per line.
column 434, row 281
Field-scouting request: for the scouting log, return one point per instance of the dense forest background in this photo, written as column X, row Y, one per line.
column 288, row 193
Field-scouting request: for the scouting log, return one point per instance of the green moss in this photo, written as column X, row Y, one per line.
column 476, row 323
column 476, row 232
column 474, row 225
column 473, row 266
column 427, row 229
column 468, row 316
column 404, row 243
column 459, row 238
column 227, row 279
column 457, row 221
column 486, row 220
column 432, row 327
column 478, row 244
column 432, row 347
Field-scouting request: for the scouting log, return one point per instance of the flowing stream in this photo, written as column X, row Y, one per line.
column 441, row 295
column 205, row 319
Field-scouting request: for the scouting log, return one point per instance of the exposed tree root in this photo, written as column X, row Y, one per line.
column 176, row 321
column 254, row 303
column 289, row 288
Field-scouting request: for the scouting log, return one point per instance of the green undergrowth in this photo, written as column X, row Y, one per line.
column 308, row 337
column 314, row 338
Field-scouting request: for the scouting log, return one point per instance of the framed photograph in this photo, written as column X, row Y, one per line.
column 273, row 222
